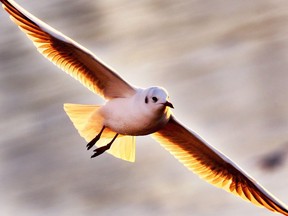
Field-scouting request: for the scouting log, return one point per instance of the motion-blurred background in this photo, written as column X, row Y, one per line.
column 224, row 63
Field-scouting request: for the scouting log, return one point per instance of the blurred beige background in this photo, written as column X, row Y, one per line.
column 224, row 63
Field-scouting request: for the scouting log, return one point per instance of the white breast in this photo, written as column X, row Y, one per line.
column 130, row 116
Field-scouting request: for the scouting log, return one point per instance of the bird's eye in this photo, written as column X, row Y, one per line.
column 155, row 99
column 146, row 100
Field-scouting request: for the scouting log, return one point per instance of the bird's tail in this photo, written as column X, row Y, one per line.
column 88, row 121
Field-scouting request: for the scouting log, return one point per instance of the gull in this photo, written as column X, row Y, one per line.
column 131, row 111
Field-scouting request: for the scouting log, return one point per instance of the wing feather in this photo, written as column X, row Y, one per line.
column 213, row 166
column 68, row 55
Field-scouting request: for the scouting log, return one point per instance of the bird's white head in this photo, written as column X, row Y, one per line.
column 157, row 98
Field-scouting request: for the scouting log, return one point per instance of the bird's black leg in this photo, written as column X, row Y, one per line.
column 93, row 141
column 102, row 149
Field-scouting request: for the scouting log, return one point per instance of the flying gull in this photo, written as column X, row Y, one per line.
column 131, row 111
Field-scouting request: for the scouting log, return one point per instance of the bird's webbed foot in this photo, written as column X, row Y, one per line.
column 102, row 149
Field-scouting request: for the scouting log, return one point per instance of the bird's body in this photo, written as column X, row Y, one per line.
column 132, row 116
column 131, row 111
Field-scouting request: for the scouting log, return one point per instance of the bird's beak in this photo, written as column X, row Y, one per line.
column 167, row 103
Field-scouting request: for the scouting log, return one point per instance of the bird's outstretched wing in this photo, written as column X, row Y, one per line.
column 68, row 55
column 213, row 166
